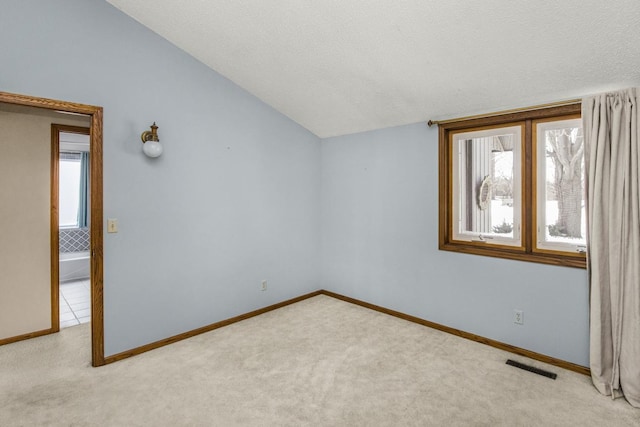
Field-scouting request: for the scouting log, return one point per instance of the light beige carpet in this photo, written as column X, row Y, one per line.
column 320, row 362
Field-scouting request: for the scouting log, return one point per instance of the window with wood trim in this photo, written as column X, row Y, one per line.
column 512, row 186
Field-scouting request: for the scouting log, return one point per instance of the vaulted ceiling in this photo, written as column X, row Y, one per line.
column 344, row 66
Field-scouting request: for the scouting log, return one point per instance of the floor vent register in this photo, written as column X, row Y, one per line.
column 532, row 369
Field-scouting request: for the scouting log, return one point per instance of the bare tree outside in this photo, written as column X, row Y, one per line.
column 565, row 148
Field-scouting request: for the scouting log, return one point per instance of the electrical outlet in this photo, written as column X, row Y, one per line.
column 263, row 285
column 518, row 317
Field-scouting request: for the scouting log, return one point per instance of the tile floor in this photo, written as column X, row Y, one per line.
column 75, row 303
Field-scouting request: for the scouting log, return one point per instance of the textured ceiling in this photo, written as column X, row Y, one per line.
column 343, row 66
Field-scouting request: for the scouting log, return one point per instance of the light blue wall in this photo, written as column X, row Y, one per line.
column 237, row 197
column 233, row 200
column 379, row 197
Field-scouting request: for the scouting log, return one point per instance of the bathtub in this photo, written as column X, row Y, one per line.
column 74, row 266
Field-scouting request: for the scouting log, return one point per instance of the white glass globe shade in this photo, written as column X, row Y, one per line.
column 152, row 148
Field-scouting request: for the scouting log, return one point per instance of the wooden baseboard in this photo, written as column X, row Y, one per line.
column 493, row 343
column 211, row 327
column 473, row 337
column 28, row 336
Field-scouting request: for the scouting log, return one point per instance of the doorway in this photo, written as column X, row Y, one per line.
column 94, row 115
column 74, row 238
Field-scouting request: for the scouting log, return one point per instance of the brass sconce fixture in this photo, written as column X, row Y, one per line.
column 151, row 143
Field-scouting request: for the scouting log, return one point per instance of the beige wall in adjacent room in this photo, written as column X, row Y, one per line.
column 25, row 245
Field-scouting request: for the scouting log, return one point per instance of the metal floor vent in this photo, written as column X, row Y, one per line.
column 532, row 369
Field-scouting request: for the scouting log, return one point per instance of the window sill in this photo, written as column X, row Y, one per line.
column 576, row 261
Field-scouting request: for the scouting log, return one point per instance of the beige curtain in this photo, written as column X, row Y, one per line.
column 612, row 158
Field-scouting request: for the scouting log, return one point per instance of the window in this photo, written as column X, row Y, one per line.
column 72, row 202
column 486, row 171
column 512, row 186
column 559, row 167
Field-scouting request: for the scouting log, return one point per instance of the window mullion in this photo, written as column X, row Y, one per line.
column 528, row 196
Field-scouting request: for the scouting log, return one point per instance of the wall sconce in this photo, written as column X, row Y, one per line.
column 151, row 143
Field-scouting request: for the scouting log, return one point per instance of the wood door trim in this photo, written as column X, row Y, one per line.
column 97, row 275
column 55, row 231
column 95, row 135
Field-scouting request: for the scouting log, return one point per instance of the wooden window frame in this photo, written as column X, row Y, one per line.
column 528, row 251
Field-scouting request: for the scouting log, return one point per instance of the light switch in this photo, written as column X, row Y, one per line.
column 112, row 225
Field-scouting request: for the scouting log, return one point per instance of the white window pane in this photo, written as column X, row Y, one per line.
column 502, row 216
column 560, row 185
column 69, row 194
column 486, row 180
